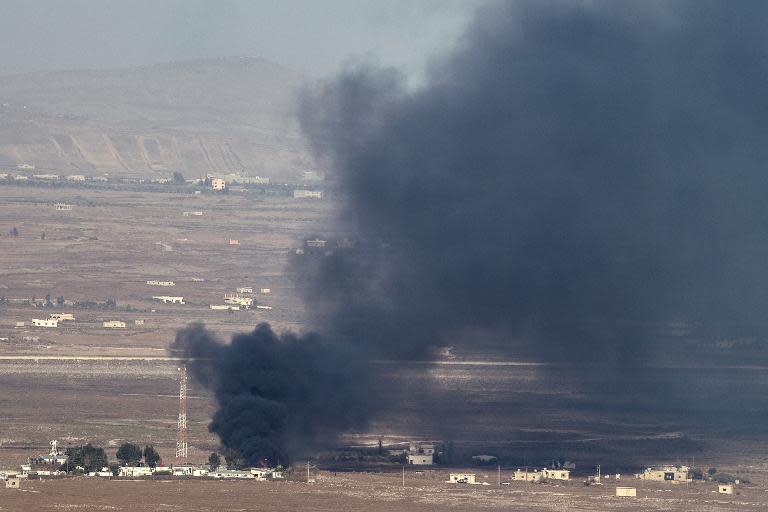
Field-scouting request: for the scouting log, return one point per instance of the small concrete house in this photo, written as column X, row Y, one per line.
column 523, row 475
column 666, row 474
column 461, row 478
column 725, row 489
column 420, row 459
column 626, row 491
column 556, row 474
column 37, row 322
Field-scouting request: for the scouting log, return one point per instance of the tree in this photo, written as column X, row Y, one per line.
column 111, row 303
column 711, row 471
column 214, row 460
column 234, row 459
column 151, row 457
column 48, row 302
column 42, row 237
column 129, row 454
column 88, row 457
column 14, row 232
column 178, row 178
column 60, row 300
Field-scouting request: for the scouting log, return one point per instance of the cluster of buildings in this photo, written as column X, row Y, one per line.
column 52, row 320
column 51, row 464
column 242, row 299
column 188, row 470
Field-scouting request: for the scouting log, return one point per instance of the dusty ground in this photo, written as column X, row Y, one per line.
column 112, row 242
column 371, row 492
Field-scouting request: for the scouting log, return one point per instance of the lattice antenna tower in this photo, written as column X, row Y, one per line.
column 181, row 433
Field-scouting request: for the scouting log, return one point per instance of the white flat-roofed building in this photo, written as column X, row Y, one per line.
column 307, row 194
column 62, row 316
column 166, row 299
column 265, row 291
column 155, row 282
column 666, row 474
column 38, row 322
column 113, row 324
column 556, row 474
column 420, row 459
column 245, row 289
column 524, row 475
column 133, row 472
column 461, row 478
column 218, row 184
column 626, row 491
column 62, row 207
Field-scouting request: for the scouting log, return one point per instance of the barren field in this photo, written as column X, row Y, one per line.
column 84, row 383
column 372, row 492
column 112, row 243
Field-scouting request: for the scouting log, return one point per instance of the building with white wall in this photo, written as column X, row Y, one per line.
column 113, row 324
column 461, row 478
column 166, row 299
column 666, row 474
column 307, row 194
column 37, row 322
column 218, row 184
column 61, row 316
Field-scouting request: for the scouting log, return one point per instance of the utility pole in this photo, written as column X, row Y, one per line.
column 498, row 475
column 307, row 471
column 403, row 474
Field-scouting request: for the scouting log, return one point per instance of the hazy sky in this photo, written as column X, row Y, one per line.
column 310, row 36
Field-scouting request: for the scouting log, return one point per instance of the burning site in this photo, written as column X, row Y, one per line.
column 460, row 255
column 575, row 184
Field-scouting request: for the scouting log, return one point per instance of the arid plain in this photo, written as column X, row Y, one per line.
column 82, row 382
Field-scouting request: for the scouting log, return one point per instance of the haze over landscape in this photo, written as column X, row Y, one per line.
column 531, row 233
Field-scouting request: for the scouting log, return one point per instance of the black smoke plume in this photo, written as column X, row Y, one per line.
column 572, row 177
column 277, row 395
column 571, row 180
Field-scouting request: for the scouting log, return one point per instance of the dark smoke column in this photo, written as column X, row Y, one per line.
column 277, row 395
column 571, row 178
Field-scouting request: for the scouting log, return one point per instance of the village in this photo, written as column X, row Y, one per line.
column 57, row 464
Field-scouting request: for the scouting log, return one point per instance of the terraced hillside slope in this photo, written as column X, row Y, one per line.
column 219, row 115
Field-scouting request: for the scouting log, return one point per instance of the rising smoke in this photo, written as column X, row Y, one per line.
column 277, row 395
column 571, row 176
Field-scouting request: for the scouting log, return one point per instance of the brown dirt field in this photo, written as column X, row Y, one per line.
column 112, row 242
column 371, row 492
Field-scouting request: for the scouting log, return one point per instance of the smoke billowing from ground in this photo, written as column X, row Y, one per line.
column 277, row 395
column 571, row 176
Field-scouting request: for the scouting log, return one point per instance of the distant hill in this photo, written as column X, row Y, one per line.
column 216, row 115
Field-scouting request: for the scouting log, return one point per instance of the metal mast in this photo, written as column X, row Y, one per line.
column 181, row 433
